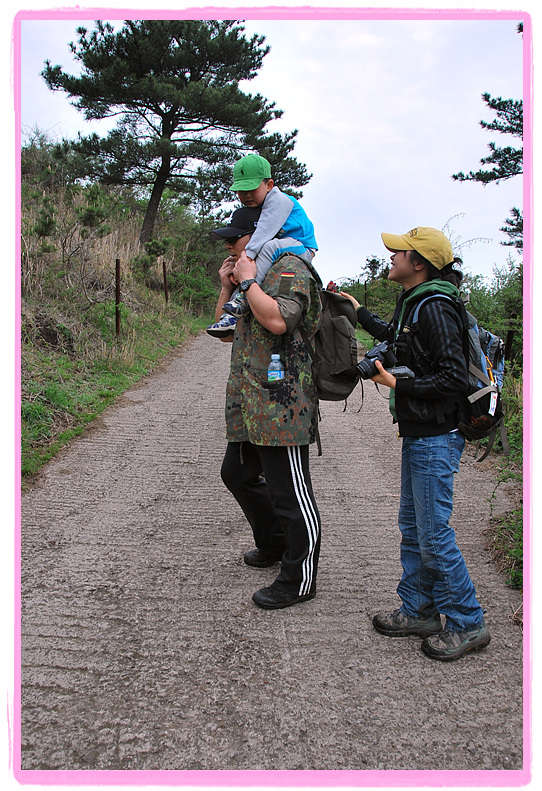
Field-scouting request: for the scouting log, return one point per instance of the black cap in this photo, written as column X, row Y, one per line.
column 242, row 222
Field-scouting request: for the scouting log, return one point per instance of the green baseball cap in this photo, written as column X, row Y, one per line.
column 249, row 172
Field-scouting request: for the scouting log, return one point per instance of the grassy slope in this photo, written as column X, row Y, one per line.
column 72, row 370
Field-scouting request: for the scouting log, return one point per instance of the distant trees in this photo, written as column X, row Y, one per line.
column 182, row 121
column 375, row 268
column 372, row 288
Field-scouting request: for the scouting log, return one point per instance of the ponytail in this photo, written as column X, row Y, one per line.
column 452, row 275
column 448, row 273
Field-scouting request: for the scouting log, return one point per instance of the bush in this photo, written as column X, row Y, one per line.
column 498, row 305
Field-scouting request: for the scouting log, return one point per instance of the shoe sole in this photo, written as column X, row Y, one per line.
column 282, row 605
column 218, row 334
column 404, row 632
column 476, row 645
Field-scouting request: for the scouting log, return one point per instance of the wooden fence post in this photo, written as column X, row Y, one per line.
column 117, row 296
column 166, row 292
column 509, row 338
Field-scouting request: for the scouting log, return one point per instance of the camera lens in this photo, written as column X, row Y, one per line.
column 366, row 369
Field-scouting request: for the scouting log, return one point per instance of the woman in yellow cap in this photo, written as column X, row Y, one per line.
column 435, row 580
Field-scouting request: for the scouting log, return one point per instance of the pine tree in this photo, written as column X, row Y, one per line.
column 183, row 120
column 513, row 227
column 505, row 161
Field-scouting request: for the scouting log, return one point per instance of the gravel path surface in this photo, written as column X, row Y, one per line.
column 141, row 647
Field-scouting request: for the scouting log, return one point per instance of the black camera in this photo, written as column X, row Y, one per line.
column 367, row 367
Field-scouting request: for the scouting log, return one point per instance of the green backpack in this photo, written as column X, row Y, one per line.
column 334, row 348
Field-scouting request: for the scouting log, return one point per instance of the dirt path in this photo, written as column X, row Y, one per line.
column 142, row 649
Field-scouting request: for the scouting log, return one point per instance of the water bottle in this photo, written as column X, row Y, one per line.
column 275, row 372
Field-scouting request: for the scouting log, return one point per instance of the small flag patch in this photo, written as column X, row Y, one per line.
column 286, row 280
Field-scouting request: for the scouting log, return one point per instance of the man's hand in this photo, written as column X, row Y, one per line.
column 245, row 268
column 225, row 273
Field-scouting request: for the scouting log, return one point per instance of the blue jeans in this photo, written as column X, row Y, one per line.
column 435, row 577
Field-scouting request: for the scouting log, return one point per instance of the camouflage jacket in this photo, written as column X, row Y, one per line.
column 284, row 412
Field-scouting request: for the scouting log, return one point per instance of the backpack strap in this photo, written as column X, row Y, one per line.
column 408, row 330
column 491, row 388
column 306, row 341
column 501, row 430
column 461, row 310
column 482, row 377
column 312, row 355
column 458, row 306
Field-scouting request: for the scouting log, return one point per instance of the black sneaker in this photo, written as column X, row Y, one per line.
column 449, row 645
column 397, row 624
column 272, row 598
column 259, row 558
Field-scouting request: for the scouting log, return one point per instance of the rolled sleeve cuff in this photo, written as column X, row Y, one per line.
column 291, row 311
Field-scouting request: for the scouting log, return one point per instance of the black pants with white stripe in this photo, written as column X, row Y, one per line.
column 273, row 487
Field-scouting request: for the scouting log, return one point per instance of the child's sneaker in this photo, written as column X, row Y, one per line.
column 223, row 327
column 238, row 306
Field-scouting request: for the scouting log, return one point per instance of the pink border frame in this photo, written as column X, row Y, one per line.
column 300, row 778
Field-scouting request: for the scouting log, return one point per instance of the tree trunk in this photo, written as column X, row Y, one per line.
column 154, row 202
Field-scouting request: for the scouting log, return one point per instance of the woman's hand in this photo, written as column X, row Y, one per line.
column 352, row 299
column 384, row 377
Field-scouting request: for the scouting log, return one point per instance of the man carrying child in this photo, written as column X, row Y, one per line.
column 271, row 424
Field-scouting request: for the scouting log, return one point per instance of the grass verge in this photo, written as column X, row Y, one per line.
column 64, row 386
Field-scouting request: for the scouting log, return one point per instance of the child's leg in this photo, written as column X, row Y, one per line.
column 223, row 327
column 237, row 305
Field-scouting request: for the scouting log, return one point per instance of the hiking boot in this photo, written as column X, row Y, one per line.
column 238, row 306
column 449, row 645
column 259, row 558
column 397, row 624
column 272, row 598
column 223, row 327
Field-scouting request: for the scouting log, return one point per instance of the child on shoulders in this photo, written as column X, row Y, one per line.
column 283, row 227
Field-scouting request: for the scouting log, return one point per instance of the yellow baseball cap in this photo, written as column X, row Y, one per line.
column 429, row 242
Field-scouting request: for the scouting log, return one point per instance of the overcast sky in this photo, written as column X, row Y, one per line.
column 387, row 110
